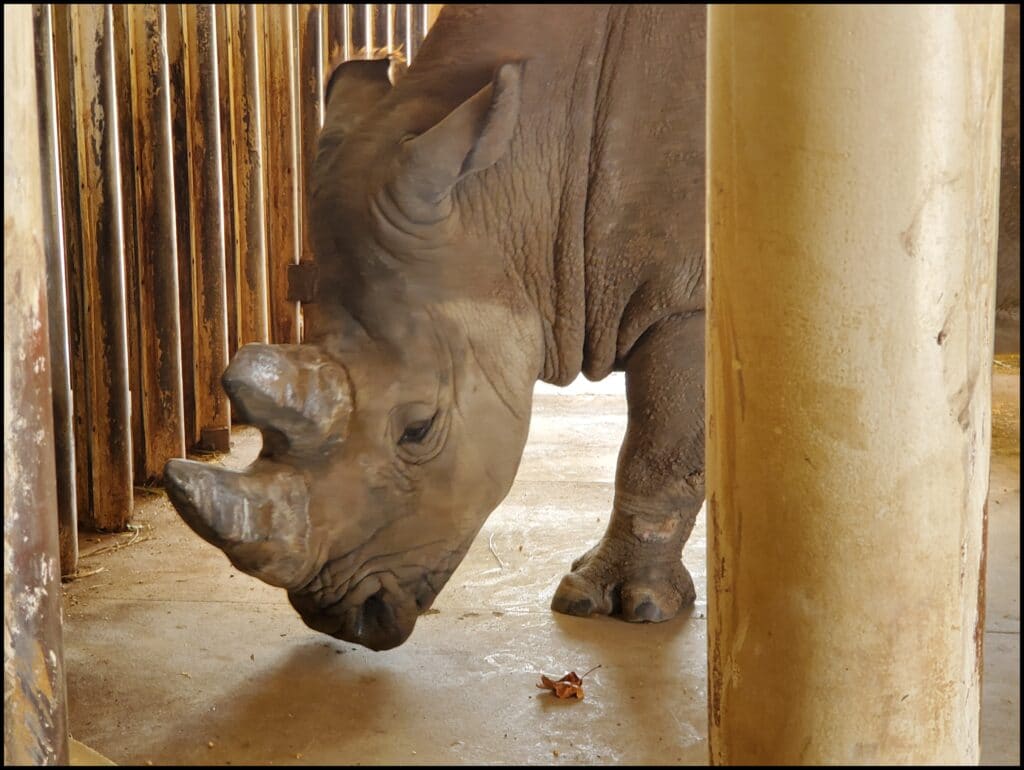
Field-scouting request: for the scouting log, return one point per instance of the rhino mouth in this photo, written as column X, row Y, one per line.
column 378, row 612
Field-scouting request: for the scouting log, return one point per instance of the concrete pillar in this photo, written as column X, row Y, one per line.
column 35, row 709
column 853, row 202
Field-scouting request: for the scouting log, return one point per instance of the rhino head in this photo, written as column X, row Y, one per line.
column 398, row 426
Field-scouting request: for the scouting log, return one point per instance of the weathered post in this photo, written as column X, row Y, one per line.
column 176, row 64
column 163, row 409
column 247, row 159
column 35, row 707
column 281, row 161
column 310, row 98
column 56, row 291
column 71, row 225
column 129, row 216
column 105, row 337
column 213, row 416
column 227, row 192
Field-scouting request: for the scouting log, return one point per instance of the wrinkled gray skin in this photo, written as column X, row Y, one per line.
column 526, row 202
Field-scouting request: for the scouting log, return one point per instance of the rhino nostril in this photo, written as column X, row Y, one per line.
column 378, row 610
column 274, row 443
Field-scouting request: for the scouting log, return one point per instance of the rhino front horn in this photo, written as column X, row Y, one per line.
column 295, row 390
column 260, row 519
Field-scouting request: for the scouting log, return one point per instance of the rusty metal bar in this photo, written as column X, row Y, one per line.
column 123, row 76
column 213, row 415
column 348, row 21
column 227, row 190
column 35, row 705
column 400, row 37
column 183, row 230
column 281, row 161
column 335, row 21
column 247, row 157
column 390, row 11
column 310, row 99
column 360, row 31
column 56, row 292
column 103, row 266
column 377, row 29
column 67, row 139
column 158, row 259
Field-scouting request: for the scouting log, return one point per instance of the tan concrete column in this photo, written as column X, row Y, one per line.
column 853, row 202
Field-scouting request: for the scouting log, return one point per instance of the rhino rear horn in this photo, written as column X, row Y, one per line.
column 260, row 519
column 294, row 390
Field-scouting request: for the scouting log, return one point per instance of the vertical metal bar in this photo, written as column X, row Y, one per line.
column 126, row 151
column 174, row 36
column 398, row 18
column 225, row 40
column 280, row 164
column 158, row 257
column 67, row 138
column 213, row 416
column 376, row 28
column 310, row 98
column 390, row 24
column 35, row 706
column 56, row 292
column 359, row 31
column 247, row 157
column 407, row 14
column 348, row 23
column 334, row 21
column 107, row 341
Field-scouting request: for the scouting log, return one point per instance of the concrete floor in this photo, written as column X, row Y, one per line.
column 174, row 657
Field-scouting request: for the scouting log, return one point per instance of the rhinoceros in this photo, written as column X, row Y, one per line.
column 524, row 203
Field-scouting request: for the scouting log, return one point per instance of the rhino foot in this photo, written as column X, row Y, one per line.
column 601, row 584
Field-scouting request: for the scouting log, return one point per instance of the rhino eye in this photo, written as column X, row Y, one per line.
column 417, row 431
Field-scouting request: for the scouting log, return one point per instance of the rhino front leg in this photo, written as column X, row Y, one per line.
column 636, row 570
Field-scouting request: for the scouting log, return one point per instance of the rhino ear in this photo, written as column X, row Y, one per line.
column 353, row 88
column 471, row 138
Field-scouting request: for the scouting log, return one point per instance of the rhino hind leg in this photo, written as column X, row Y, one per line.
column 636, row 570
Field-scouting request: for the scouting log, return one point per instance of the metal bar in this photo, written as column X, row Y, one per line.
column 71, row 225
column 213, row 412
column 158, row 257
column 390, row 10
column 227, row 193
column 334, row 22
column 360, row 31
column 174, row 37
column 123, row 77
column 349, row 11
column 35, row 705
column 376, row 31
column 281, row 160
column 103, row 263
column 247, row 157
column 407, row 27
column 56, row 292
column 310, row 99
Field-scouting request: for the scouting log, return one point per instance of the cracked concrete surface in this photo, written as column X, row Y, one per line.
column 174, row 657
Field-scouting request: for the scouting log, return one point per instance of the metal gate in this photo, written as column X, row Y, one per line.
column 176, row 141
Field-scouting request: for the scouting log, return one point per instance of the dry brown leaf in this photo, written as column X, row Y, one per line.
column 569, row 686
